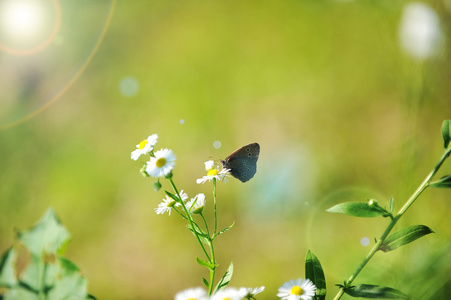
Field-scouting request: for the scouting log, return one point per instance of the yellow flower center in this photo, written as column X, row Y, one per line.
column 142, row 144
column 160, row 162
column 191, row 299
column 212, row 172
column 296, row 290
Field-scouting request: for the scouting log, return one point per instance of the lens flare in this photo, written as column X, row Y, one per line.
column 22, row 18
column 28, row 26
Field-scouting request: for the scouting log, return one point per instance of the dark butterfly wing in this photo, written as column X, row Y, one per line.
column 243, row 162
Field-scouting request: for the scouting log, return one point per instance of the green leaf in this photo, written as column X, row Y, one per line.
column 356, row 209
column 404, row 236
column 444, row 182
column 7, row 268
column 32, row 276
column 374, row 291
column 315, row 273
column 204, row 238
column 68, row 282
column 47, row 236
column 19, row 293
column 205, row 282
column 446, row 133
column 224, row 230
column 172, row 196
column 225, row 279
column 205, row 263
column 391, row 205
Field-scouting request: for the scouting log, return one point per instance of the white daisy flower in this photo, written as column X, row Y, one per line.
column 249, row 293
column 213, row 172
column 162, row 164
column 168, row 203
column 183, row 195
column 166, row 206
column 196, row 204
column 192, row 294
column 297, row 289
column 227, row 294
column 145, row 146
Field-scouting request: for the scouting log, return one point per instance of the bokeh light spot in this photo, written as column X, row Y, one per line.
column 365, row 241
column 21, row 19
column 217, row 144
column 182, row 121
column 129, row 86
column 420, row 32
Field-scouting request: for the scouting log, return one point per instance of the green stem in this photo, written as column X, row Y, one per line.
column 212, row 251
column 393, row 222
column 190, row 220
column 214, row 204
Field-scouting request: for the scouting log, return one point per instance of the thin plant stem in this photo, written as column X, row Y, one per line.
column 214, row 204
column 393, row 222
column 190, row 220
column 212, row 251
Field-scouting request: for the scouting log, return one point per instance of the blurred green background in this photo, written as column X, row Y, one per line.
column 342, row 109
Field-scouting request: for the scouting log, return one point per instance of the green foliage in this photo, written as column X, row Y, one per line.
column 404, row 236
column 446, row 133
column 7, row 275
column 359, row 209
column 315, row 273
column 225, row 279
column 225, row 229
column 206, row 264
column 374, row 291
column 444, row 182
column 46, row 274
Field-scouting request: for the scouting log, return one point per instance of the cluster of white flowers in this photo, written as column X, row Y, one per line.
column 300, row 289
column 224, row 294
column 161, row 164
column 162, row 161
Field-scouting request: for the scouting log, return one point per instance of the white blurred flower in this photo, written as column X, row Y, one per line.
column 227, row 294
column 145, row 146
column 249, row 293
column 420, row 32
column 213, row 172
column 196, row 204
column 162, row 164
column 297, row 289
column 192, row 294
column 168, row 203
column 166, row 206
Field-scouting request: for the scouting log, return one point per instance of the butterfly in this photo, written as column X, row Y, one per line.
column 243, row 162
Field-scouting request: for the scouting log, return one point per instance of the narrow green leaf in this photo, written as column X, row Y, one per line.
column 315, row 273
column 7, row 268
column 204, row 238
column 48, row 235
column 446, row 133
column 391, row 204
column 374, row 291
column 225, row 279
column 172, row 196
column 205, row 263
column 444, row 182
column 404, row 236
column 225, row 229
column 205, row 282
column 356, row 209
